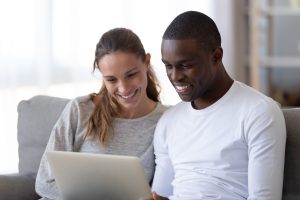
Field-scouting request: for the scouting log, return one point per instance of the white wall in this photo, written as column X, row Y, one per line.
column 229, row 16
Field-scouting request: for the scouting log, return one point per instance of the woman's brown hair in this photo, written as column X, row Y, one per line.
column 118, row 39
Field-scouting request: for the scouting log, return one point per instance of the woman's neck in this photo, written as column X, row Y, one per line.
column 140, row 111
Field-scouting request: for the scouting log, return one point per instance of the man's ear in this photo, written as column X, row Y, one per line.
column 218, row 54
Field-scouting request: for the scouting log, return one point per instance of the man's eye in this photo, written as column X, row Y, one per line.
column 187, row 66
column 168, row 66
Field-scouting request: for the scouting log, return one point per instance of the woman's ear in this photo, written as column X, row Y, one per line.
column 147, row 60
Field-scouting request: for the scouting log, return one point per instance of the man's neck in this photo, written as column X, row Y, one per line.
column 216, row 94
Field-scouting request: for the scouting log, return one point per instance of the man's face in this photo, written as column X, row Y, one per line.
column 190, row 68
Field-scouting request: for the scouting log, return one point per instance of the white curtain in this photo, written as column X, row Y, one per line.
column 47, row 47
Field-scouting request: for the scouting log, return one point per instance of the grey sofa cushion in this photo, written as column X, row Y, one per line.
column 17, row 187
column 36, row 118
column 291, row 185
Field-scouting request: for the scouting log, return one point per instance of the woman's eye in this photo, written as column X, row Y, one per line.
column 132, row 74
column 111, row 80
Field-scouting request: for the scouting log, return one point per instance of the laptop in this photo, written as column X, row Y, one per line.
column 98, row 176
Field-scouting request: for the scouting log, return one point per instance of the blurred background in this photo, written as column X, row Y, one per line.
column 47, row 47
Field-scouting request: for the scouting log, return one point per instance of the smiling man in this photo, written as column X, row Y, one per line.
column 224, row 140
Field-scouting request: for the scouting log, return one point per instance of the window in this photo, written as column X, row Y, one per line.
column 47, row 47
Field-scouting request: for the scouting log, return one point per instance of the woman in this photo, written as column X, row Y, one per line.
column 120, row 119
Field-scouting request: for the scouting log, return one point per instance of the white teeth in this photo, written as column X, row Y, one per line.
column 181, row 87
column 128, row 96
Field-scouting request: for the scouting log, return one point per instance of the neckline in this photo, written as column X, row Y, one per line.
column 157, row 106
column 216, row 104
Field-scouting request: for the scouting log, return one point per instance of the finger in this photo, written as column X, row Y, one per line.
column 145, row 199
column 155, row 196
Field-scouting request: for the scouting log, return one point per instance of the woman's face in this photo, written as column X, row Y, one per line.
column 125, row 77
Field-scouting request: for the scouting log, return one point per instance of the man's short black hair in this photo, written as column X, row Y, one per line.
column 194, row 25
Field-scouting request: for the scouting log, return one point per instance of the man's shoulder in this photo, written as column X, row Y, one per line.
column 251, row 96
column 179, row 107
column 176, row 110
column 255, row 103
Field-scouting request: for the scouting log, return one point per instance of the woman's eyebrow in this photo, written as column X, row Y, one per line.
column 128, row 72
column 131, row 70
column 108, row 76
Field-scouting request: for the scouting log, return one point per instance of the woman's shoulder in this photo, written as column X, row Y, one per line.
column 163, row 107
column 80, row 101
column 78, row 104
column 78, row 107
column 154, row 114
column 160, row 109
column 83, row 99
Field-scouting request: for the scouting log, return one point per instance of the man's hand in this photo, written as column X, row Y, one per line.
column 156, row 197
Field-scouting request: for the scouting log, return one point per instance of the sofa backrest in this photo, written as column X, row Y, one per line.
column 36, row 117
column 291, row 184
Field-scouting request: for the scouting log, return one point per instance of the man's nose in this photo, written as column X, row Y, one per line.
column 176, row 74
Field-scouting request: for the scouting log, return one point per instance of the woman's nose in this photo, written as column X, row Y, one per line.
column 123, row 87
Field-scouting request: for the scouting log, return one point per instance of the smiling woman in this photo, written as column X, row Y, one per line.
column 47, row 48
column 125, row 77
column 107, row 122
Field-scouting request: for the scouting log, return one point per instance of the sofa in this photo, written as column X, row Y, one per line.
column 37, row 116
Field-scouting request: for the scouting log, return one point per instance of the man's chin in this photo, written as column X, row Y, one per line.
column 185, row 98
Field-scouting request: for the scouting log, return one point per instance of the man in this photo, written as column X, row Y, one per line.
column 224, row 140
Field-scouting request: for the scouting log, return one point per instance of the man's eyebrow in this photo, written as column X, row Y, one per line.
column 177, row 62
column 162, row 60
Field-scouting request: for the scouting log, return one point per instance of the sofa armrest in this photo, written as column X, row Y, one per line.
column 16, row 187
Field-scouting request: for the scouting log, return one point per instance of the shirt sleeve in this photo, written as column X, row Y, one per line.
column 266, row 137
column 61, row 139
column 164, row 173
